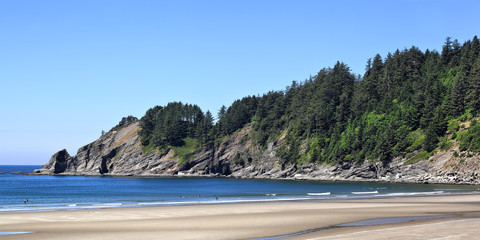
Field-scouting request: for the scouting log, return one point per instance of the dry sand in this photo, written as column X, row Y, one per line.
column 255, row 220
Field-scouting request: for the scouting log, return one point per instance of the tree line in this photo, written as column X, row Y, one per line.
column 404, row 102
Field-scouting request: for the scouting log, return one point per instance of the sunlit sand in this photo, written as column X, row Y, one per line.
column 256, row 220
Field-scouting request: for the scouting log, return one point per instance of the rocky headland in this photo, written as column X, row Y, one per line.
column 119, row 153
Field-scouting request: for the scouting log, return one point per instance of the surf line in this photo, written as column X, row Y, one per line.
column 372, row 192
column 319, row 194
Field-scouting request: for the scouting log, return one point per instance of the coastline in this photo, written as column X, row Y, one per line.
column 255, row 220
column 263, row 177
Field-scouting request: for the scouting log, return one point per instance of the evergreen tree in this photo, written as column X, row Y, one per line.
column 431, row 139
column 221, row 112
column 371, row 81
column 457, row 99
column 473, row 94
column 447, row 51
column 204, row 128
column 386, row 142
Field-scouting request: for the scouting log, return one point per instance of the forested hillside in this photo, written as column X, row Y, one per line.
column 408, row 101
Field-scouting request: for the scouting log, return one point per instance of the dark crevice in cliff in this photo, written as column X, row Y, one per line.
column 107, row 165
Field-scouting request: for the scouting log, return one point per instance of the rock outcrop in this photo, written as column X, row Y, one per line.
column 118, row 153
column 58, row 162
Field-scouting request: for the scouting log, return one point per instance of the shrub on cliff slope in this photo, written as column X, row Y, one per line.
column 471, row 139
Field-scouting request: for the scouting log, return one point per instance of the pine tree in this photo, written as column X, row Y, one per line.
column 431, row 139
column 457, row 101
column 372, row 80
column 204, row 128
column 447, row 51
column 385, row 145
column 473, row 95
column 221, row 112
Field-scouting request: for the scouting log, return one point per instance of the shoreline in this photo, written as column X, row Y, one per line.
column 260, row 177
column 254, row 220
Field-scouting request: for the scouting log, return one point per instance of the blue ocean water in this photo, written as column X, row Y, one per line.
column 39, row 192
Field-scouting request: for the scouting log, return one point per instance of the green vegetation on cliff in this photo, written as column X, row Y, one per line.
column 403, row 102
column 170, row 125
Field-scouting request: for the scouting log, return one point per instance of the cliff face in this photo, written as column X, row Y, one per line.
column 115, row 153
column 118, row 153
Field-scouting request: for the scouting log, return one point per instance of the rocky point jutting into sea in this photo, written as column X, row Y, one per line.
column 119, row 153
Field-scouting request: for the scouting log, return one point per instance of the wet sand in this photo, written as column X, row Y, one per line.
column 256, row 220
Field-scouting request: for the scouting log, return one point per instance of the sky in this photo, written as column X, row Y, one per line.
column 70, row 69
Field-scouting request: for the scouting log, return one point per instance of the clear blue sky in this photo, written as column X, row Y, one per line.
column 70, row 69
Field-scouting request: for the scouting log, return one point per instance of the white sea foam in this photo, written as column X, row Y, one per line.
column 400, row 194
column 371, row 192
column 319, row 194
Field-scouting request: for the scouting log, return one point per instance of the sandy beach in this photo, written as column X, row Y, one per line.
column 459, row 220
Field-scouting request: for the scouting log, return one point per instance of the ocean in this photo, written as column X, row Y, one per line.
column 43, row 193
